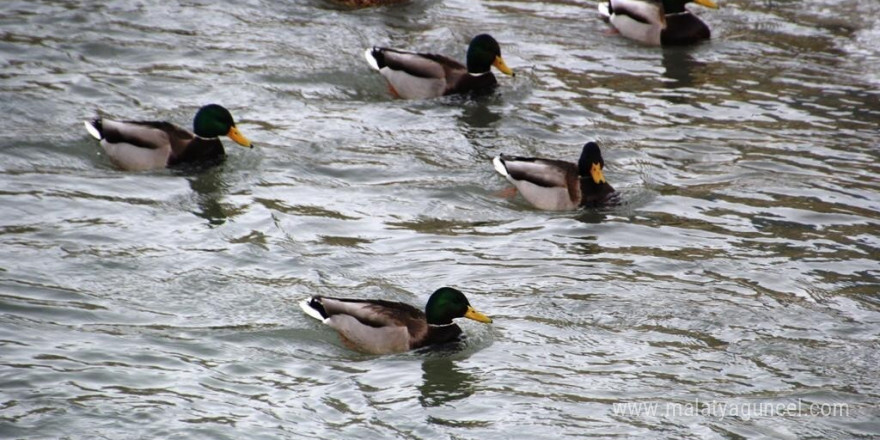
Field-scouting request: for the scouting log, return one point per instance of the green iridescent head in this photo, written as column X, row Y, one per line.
column 483, row 53
column 447, row 303
column 213, row 121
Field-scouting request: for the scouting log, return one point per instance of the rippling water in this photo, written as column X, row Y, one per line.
column 742, row 268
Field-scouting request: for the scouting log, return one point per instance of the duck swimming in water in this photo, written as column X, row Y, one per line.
column 556, row 185
column 381, row 327
column 147, row 145
column 657, row 22
column 413, row 75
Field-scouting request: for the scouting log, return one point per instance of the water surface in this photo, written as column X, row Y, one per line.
column 742, row 267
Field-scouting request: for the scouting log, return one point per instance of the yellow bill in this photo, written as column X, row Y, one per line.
column 707, row 3
column 477, row 316
column 502, row 66
column 596, row 172
column 239, row 138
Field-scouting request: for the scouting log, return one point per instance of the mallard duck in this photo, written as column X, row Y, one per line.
column 147, row 145
column 557, row 185
column 414, row 75
column 380, row 327
column 657, row 22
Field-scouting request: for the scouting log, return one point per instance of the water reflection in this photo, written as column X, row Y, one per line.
column 680, row 65
column 592, row 216
column 444, row 382
column 356, row 4
column 209, row 187
column 477, row 114
column 478, row 124
column 404, row 16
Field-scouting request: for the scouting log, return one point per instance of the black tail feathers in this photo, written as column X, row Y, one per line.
column 315, row 303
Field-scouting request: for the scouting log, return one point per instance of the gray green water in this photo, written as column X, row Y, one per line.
column 741, row 270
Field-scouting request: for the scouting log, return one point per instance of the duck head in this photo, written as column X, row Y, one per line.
column 483, row 53
column 214, row 120
column 447, row 303
column 591, row 163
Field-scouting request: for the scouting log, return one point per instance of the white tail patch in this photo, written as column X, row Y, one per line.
column 92, row 130
column 304, row 305
column 371, row 60
column 499, row 166
column 604, row 10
